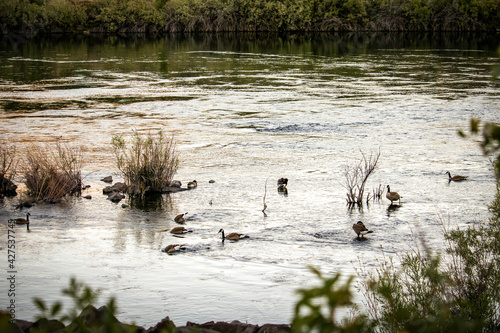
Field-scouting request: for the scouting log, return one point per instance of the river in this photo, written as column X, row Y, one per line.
column 245, row 110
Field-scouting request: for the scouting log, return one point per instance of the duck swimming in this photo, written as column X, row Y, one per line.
column 456, row 178
column 21, row 220
column 233, row 235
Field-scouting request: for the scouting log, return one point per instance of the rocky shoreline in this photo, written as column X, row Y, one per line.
column 102, row 320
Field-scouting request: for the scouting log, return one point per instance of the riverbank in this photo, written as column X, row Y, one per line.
column 102, row 319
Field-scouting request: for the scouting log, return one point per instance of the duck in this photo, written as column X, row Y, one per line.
column 21, row 220
column 179, row 230
column 282, row 183
column 456, row 178
column 393, row 196
column 192, row 184
column 360, row 229
column 173, row 248
column 233, row 235
column 180, row 218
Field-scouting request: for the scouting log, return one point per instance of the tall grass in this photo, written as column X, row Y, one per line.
column 8, row 165
column 149, row 164
column 53, row 172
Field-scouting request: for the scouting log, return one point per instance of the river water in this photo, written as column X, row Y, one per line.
column 244, row 110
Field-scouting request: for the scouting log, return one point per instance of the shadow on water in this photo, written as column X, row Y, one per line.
column 151, row 203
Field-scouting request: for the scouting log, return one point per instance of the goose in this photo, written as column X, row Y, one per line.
column 455, row 178
column 180, row 218
column 179, row 230
column 360, row 229
column 173, row 248
column 233, row 235
column 192, row 184
column 393, row 196
column 20, row 220
column 282, row 183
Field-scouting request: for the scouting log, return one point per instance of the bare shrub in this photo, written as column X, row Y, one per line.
column 149, row 164
column 356, row 177
column 8, row 165
column 53, row 172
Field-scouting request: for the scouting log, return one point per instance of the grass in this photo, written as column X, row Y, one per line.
column 148, row 164
column 51, row 173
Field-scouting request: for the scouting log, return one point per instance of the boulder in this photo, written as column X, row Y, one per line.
column 116, row 197
column 46, row 325
column 165, row 325
column 108, row 179
column 221, row 326
column 7, row 187
column 117, row 187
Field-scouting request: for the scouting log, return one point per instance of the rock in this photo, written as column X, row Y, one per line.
column 100, row 320
column 87, row 197
column 165, row 325
column 117, row 187
column 221, row 326
column 172, row 189
column 108, row 179
column 124, row 206
column 272, row 328
column 116, row 197
column 211, row 181
column 7, row 187
column 46, row 325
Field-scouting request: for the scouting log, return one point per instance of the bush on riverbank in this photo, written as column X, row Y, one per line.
column 147, row 16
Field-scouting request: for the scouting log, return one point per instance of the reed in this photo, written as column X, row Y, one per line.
column 53, row 172
column 8, row 165
column 149, row 164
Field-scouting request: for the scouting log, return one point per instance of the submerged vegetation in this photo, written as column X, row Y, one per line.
column 151, row 16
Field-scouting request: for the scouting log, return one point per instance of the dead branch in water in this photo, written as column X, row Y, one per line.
column 357, row 176
column 264, row 199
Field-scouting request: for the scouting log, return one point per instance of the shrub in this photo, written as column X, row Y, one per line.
column 8, row 164
column 316, row 310
column 52, row 173
column 149, row 164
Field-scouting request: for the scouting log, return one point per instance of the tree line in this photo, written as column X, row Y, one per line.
column 29, row 17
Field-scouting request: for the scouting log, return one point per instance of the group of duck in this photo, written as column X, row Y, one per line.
column 359, row 227
column 171, row 248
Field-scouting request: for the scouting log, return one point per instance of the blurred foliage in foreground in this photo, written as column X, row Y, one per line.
column 115, row 16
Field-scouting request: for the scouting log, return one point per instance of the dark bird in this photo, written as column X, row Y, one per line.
column 173, row 248
column 232, row 236
column 180, row 218
column 22, row 221
column 179, row 230
column 282, row 183
column 393, row 196
column 192, row 184
column 360, row 229
column 455, row 178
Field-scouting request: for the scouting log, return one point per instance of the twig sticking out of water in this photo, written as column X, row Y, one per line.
column 264, row 199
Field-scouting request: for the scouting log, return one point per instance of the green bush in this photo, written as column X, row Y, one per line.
column 149, row 164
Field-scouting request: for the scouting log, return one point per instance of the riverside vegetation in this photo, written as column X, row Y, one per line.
column 29, row 17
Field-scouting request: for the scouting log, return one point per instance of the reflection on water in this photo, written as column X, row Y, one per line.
column 245, row 109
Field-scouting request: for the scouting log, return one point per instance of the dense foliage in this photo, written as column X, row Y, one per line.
column 115, row 16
